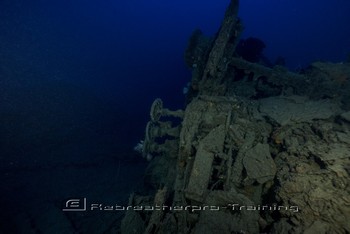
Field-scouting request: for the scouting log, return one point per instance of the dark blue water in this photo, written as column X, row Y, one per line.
column 77, row 79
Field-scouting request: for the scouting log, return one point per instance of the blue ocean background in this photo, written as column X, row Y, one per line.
column 77, row 79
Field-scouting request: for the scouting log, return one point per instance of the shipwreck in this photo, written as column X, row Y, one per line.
column 258, row 149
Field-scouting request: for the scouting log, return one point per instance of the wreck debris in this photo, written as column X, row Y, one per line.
column 208, row 148
column 336, row 71
column 225, row 42
column 157, row 111
column 259, row 164
column 161, row 129
column 221, row 51
column 195, row 56
column 296, row 109
column 156, row 129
